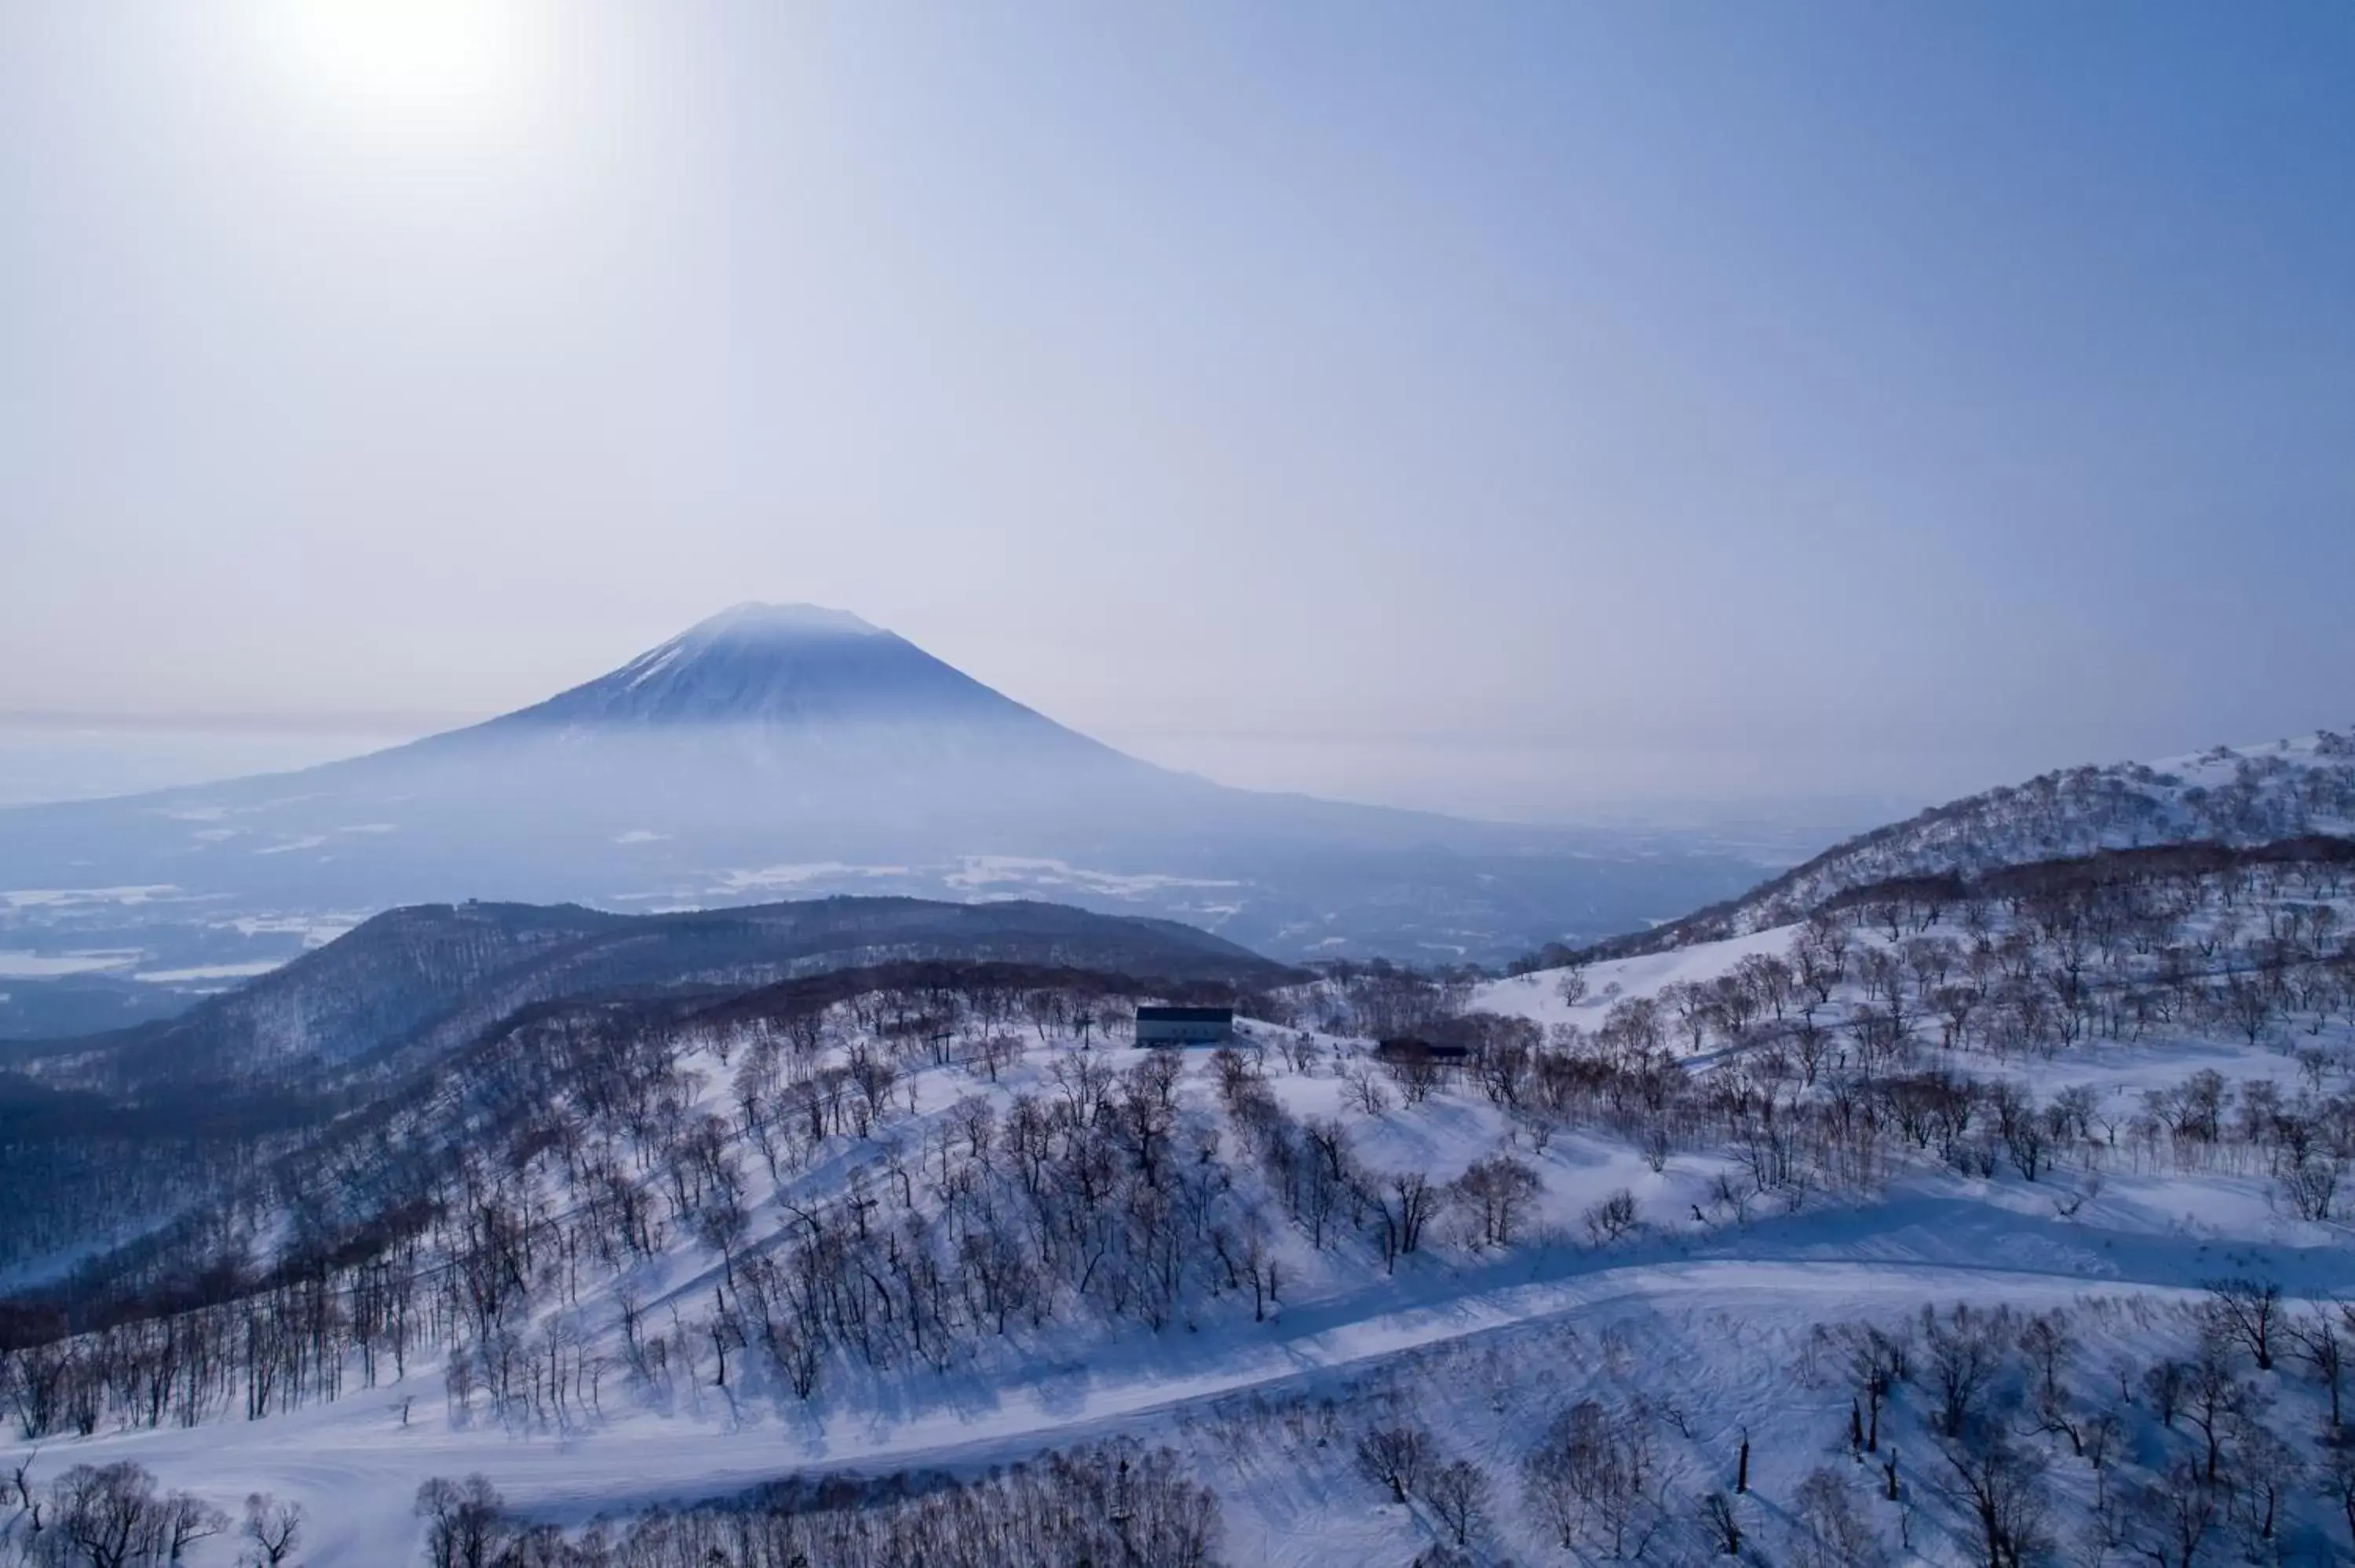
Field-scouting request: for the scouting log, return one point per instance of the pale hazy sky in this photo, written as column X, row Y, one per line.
column 1501, row 408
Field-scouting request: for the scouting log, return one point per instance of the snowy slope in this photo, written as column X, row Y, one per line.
column 1707, row 1319
column 2050, row 1134
column 2240, row 796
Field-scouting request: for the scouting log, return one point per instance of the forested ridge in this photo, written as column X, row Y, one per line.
column 871, row 1188
column 2227, row 797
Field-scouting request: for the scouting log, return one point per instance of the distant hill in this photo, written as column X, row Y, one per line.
column 2234, row 796
column 414, row 983
column 785, row 750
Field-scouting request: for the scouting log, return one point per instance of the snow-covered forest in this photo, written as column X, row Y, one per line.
column 1996, row 1221
column 2240, row 797
column 1219, row 785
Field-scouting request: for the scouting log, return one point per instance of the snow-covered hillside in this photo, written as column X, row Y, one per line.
column 2239, row 795
column 1944, row 1229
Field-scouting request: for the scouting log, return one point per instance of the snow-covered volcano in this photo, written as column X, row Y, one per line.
column 791, row 665
column 776, row 751
column 768, row 736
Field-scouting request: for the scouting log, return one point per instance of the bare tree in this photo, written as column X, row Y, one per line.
column 1722, row 1523
column 2339, row 1483
column 1961, row 1352
column 2045, row 1339
column 1497, row 1192
column 2001, row 1486
column 2266, row 1471
column 2310, row 1184
column 1406, row 1200
column 1832, row 1530
column 272, row 1529
column 1596, row 1469
column 107, row 1514
column 1612, row 1218
column 2248, row 1311
column 2317, row 1341
column 2168, row 1520
column 185, row 1520
column 465, row 1525
column 1364, row 1090
column 2214, row 1400
column 1395, row 1457
column 1876, row 1363
column 1458, row 1494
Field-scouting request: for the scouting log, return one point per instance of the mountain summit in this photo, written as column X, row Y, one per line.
column 778, row 663
column 777, row 750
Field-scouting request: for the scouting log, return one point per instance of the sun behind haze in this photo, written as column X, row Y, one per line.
column 406, row 66
column 1515, row 408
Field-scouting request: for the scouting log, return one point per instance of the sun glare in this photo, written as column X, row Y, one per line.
column 432, row 65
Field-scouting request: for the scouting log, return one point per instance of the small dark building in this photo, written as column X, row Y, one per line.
column 1407, row 1049
column 1185, row 1025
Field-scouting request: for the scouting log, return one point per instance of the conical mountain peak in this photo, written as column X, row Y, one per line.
column 755, row 621
column 779, row 664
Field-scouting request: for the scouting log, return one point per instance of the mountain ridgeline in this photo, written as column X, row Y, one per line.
column 622, row 1213
column 423, row 1017
column 2292, row 801
column 411, row 985
column 786, row 751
